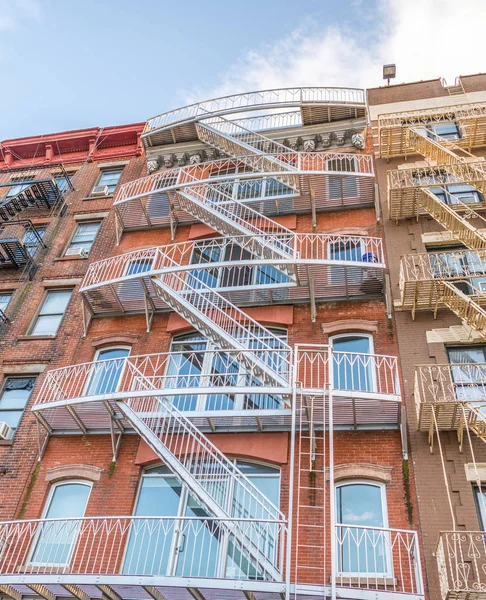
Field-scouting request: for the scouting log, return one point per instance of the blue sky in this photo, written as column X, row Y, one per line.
column 68, row 64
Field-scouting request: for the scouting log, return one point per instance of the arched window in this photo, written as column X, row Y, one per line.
column 362, row 540
column 197, row 363
column 182, row 539
column 55, row 540
column 106, row 372
column 353, row 365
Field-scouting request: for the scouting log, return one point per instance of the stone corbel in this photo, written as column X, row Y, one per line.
column 211, row 154
column 309, row 145
column 358, row 141
column 293, row 144
column 195, row 159
column 153, row 164
column 340, row 137
column 168, row 161
column 325, row 140
column 181, row 158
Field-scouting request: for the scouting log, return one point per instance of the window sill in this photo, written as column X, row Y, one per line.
column 98, row 197
column 63, row 258
column 22, row 338
column 7, row 442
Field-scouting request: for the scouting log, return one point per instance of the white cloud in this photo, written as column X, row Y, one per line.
column 14, row 12
column 425, row 38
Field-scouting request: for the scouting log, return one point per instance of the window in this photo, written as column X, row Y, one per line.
column 16, row 188
column 84, row 236
column 362, row 550
column 51, row 312
column 346, row 250
column 107, row 371
column 109, row 178
column 62, row 181
column 342, row 186
column 55, row 543
column 32, row 239
column 353, row 363
column 15, row 395
column 480, row 499
column 468, row 372
column 174, row 547
column 231, row 276
column 5, row 298
column 457, row 192
column 195, row 362
column 447, row 131
column 459, row 262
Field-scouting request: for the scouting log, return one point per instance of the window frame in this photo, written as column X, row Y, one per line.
column 202, row 400
column 76, row 229
column 6, row 293
column 37, row 314
column 477, row 490
column 30, row 247
column 386, row 525
column 45, row 509
column 342, row 196
column 2, row 391
column 100, row 176
column 96, row 359
column 173, row 556
column 372, row 366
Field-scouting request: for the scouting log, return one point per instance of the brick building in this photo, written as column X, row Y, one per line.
column 217, row 412
column 429, row 145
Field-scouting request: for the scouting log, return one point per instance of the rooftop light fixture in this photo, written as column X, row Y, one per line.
column 389, row 72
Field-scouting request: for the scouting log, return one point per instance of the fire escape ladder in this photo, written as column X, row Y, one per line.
column 219, row 485
column 41, row 193
column 254, row 149
column 225, row 325
column 464, row 306
column 453, row 221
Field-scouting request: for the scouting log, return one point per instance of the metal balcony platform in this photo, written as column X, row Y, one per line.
column 393, row 138
column 317, row 105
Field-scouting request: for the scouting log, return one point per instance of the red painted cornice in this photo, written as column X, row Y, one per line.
column 69, row 147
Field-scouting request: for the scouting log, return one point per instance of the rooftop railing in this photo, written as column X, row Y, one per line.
column 276, row 98
column 461, row 559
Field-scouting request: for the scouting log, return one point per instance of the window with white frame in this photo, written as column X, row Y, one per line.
column 363, row 548
column 468, row 372
column 108, row 179
column 195, row 363
column 343, row 186
column 56, row 539
column 480, row 499
column 178, row 540
column 51, row 312
column 106, row 371
column 353, row 365
column 33, row 238
column 236, row 275
column 83, row 238
column 16, row 392
column 5, row 298
column 346, row 250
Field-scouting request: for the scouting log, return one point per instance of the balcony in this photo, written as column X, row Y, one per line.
column 221, row 391
column 461, row 559
column 32, row 188
column 450, row 396
column 392, row 128
column 317, row 105
column 19, row 241
column 454, row 280
column 321, row 267
column 162, row 557
column 315, row 182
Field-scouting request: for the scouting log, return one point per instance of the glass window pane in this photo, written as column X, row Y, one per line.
column 57, row 538
column 47, row 325
column 106, row 371
column 480, row 494
column 4, row 300
column 360, row 549
column 56, row 302
column 352, row 369
column 16, row 392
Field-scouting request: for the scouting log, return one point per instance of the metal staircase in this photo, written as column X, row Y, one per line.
column 448, row 155
column 41, row 193
column 217, row 482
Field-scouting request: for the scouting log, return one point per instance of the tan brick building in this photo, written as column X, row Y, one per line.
column 219, row 410
column 430, row 141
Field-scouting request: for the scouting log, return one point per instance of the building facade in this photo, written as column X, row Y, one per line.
column 218, row 409
column 429, row 141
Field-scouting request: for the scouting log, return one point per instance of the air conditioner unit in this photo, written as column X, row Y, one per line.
column 77, row 252
column 101, row 190
column 6, row 432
